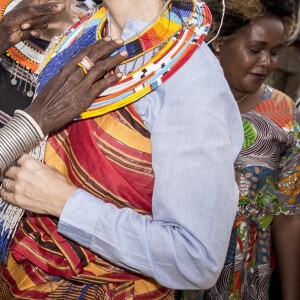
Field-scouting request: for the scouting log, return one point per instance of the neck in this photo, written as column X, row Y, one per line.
column 238, row 96
column 247, row 102
column 123, row 10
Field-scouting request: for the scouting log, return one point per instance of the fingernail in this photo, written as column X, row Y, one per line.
column 107, row 38
column 25, row 26
column 33, row 33
column 119, row 75
column 119, row 41
column 124, row 53
column 59, row 7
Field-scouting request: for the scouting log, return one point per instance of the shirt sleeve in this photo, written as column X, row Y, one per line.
column 196, row 133
column 288, row 181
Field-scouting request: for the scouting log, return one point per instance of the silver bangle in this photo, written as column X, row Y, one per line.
column 19, row 135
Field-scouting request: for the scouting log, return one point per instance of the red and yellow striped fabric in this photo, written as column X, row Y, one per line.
column 110, row 157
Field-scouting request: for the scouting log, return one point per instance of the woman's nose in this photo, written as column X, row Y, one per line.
column 265, row 60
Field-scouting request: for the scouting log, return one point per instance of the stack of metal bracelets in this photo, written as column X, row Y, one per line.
column 19, row 135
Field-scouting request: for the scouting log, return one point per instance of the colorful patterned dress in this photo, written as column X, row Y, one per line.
column 267, row 172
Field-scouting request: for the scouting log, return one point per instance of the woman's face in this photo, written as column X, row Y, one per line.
column 251, row 54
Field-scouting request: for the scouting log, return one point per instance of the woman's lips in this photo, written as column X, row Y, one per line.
column 258, row 77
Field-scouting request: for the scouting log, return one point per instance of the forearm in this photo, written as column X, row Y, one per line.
column 167, row 252
column 4, row 40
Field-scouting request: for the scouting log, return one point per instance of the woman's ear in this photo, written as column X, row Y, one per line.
column 216, row 47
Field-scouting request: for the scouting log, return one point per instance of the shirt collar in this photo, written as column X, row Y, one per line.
column 132, row 28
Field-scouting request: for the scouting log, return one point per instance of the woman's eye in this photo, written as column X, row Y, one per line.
column 254, row 51
column 275, row 52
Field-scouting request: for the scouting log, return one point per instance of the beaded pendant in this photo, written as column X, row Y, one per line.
column 176, row 34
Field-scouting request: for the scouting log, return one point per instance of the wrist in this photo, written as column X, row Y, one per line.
column 34, row 126
column 36, row 116
column 19, row 135
column 68, row 192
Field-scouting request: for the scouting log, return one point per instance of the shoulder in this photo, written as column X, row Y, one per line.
column 278, row 97
column 204, row 64
column 199, row 93
column 277, row 106
column 201, row 78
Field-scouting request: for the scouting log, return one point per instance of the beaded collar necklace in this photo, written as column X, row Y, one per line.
column 176, row 34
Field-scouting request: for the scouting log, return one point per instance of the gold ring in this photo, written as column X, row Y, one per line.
column 86, row 64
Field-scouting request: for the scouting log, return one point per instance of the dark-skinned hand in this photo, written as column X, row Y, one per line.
column 72, row 91
column 25, row 20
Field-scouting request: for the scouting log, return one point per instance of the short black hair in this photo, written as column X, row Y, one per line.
column 239, row 13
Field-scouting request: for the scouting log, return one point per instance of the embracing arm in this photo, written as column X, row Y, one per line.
column 183, row 245
column 63, row 98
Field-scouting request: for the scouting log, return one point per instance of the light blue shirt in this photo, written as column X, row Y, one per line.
column 196, row 134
